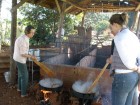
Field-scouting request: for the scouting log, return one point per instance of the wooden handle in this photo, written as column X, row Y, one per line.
column 97, row 79
column 49, row 72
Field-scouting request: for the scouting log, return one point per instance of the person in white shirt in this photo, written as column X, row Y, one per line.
column 125, row 62
column 20, row 56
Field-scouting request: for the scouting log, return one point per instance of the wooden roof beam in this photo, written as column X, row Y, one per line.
column 18, row 5
column 111, row 7
column 138, row 8
column 78, row 12
column 42, row 3
column 68, row 8
column 73, row 4
column 98, row 9
column 58, row 6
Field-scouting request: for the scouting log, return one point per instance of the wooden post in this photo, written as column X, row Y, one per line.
column 60, row 26
column 138, row 28
column 84, row 36
column 83, row 19
column 0, row 25
column 13, row 36
column 134, row 21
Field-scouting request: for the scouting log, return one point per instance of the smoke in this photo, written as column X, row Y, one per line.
column 50, row 82
column 82, row 86
column 90, row 77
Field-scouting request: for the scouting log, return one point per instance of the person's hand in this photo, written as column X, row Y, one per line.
column 109, row 60
column 138, row 69
column 33, row 57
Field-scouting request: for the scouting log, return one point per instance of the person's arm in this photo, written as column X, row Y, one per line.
column 23, row 50
column 28, row 56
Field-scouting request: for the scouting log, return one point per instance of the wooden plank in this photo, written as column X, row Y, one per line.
column 4, row 65
column 5, row 60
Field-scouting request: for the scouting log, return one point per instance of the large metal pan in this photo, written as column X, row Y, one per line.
column 51, row 84
column 79, row 90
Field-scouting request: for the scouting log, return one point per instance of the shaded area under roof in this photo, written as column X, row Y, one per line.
column 77, row 6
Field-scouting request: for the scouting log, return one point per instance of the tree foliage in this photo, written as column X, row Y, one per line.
column 45, row 21
column 102, row 25
column 95, row 19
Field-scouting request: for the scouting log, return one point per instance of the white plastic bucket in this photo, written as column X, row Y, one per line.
column 35, row 52
column 7, row 76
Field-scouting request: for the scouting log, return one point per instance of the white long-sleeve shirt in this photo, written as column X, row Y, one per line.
column 128, row 47
column 21, row 47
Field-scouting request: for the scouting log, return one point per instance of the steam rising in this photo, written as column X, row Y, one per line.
column 82, row 86
column 50, row 82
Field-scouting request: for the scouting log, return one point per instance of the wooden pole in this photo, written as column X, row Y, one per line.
column 138, row 28
column 83, row 19
column 97, row 79
column 60, row 26
column 13, row 36
column 15, row 7
column 0, row 25
column 134, row 21
column 49, row 72
column 58, row 6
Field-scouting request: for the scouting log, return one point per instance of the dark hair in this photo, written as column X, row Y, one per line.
column 121, row 19
column 28, row 29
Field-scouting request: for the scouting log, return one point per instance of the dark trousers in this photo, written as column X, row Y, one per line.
column 22, row 77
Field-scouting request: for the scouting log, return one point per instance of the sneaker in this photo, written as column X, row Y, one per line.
column 18, row 90
column 24, row 95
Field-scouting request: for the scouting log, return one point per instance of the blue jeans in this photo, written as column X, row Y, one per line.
column 22, row 77
column 123, row 88
column 136, row 97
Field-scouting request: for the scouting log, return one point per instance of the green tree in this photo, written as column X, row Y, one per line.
column 101, row 26
column 93, row 19
column 45, row 20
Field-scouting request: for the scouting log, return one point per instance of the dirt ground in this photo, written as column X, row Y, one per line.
column 10, row 96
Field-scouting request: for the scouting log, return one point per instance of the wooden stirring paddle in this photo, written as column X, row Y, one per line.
column 97, row 79
column 49, row 72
